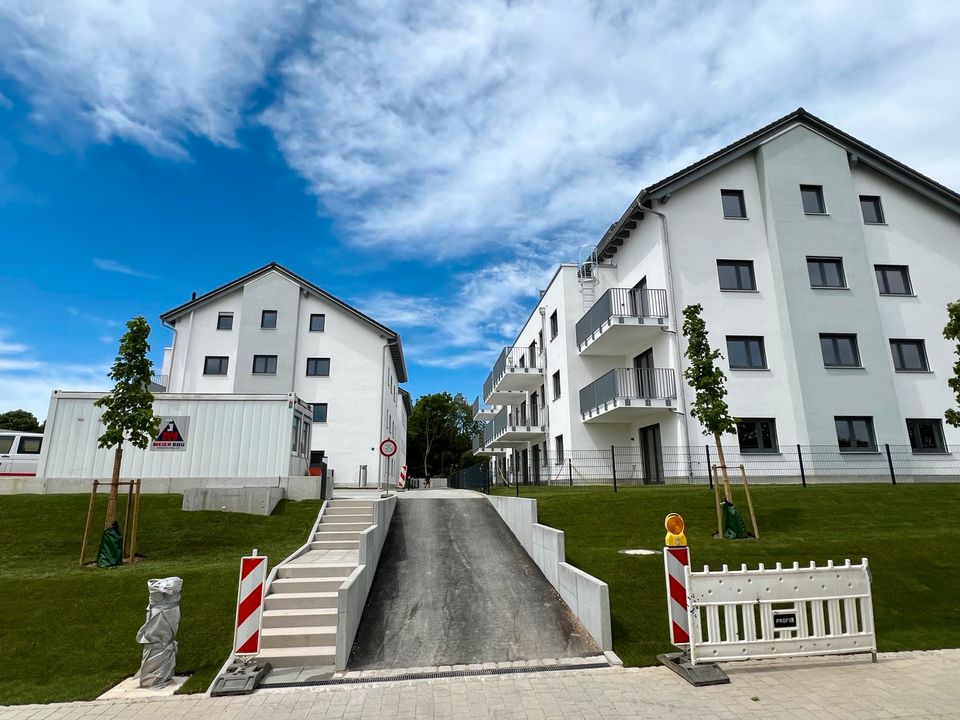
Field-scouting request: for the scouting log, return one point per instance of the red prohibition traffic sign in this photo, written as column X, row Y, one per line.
column 388, row 448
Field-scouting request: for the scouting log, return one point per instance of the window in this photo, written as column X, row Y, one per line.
column 265, row 364
column 29, row 445
column 736, row 275
column 733, row 205
column 317, row 322
column 812, row 196
column 318, row 366
column 826, row 272
column 746, row 353
column 296, row 433
column 319, row 412
column 554, row 325
column 855, row 434
column 559, row 444
column 926, row 436
column 893, row 279
column 909, row 355
column 225, row 321
column 214, row 365
column 840, row 350
column 6, row 443
column 556, row 385
column 872, row 211
column 757, row 435
column 268, row 319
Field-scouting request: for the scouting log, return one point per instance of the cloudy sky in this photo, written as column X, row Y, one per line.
column 429, row 163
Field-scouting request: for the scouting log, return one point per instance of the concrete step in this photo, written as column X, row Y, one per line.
column 336, row 526
column 306, row 584
column 347, row 518
column 301, row 617
column 347, row 510
column 300, row 600
column 315, row 570
column 337, row 535
column 288, row 637
column 299, row 656
column 335, row 544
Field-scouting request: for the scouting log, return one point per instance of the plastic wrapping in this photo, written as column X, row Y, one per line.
column 159, row 633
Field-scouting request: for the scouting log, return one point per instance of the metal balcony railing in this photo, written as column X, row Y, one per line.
column 622, row 302
column 519, row 417
column 161, row 380
column 515, row 357
column 628, row 384
column 479, row 407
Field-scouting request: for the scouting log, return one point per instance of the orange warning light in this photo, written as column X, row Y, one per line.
column 674, row 525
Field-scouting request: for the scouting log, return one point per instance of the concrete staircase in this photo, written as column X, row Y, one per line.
column 300, row 608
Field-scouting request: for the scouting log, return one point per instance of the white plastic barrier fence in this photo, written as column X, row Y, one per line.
column 750, row 614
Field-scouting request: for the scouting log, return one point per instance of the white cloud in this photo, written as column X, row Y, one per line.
column 5, row 102
column 116, row 267
column 95, row 319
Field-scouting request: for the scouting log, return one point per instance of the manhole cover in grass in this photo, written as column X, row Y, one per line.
column 639, row 551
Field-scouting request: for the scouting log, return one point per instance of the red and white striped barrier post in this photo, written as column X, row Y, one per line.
column 253, row 574
column 676, row 558
column 402, row 481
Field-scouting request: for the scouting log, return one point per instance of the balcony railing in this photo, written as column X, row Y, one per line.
column 161, row 380
column 520, row 419
column 516, row 369
column 515, row 357
column 628, row 384
column 622, row 302
column 481, row 409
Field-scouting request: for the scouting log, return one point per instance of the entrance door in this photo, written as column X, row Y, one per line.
column 651, row 455
column 535, row 462
column 525, row 466
column 534, row 409
column 638, row 297
column 643, row 369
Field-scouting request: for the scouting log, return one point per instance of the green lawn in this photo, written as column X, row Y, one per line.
column 69, row 633
column 909, row 533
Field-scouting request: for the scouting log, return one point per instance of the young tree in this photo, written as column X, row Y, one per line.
column 128, row 410
column 440, row 429
column 707, row 381
column 20, row 420
column 952, row 332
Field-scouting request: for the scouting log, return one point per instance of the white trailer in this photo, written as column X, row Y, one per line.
column 205, row 440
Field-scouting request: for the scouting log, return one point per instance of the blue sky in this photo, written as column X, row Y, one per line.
column 428, row 163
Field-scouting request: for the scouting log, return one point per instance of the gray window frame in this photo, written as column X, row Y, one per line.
column 316, row 362
column 558, row 446
column 323, row 322
column 4, row 448
column 817, row 191
column 834, row 339
column 774, row 450
column 880, row 271
column 739, row 266
column 898, row 357
column 24, row 440
column 741, row 201
column 324, row 411
column 224, row 316
column 820, row 263
column 266, row 359
column 850, row 420
column 873, row 200
column 264, row 314
column 224, row 364
column 554, row 325
column 937, row 424
column 748, row 340
column 556, row 385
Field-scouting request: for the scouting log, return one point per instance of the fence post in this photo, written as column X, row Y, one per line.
column 613, row 464
column 893, row 475
column 803, row 475
column 709, row 474
column 570, row 470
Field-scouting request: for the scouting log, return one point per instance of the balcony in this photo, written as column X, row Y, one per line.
column 480, row 446
column 628, row 394
column 518, row 370
column 516, row 426
column 618, row 320
column 482, row 411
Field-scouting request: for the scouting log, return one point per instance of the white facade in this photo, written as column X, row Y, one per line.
column 670, row 240
column 344, row 364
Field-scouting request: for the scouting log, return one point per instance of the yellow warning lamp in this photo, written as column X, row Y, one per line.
column 674, row 525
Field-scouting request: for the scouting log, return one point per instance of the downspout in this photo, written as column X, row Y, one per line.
column 671, row 294
column 543, row 394
column 381, row 475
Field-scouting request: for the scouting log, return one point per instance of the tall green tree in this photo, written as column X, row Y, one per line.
column 952, row 332
column 20, row 420
column 128, row 409
column 440, row 429
column 708, row 383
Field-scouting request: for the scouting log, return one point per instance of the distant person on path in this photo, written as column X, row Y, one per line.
column 426, row 483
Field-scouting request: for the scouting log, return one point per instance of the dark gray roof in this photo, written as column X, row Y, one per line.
column 393, row 339
column 863, row 153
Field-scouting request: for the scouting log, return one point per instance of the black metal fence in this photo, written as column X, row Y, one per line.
column 632, row 466
column 475, row 477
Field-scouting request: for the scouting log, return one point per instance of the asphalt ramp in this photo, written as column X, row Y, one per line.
column 454, row 586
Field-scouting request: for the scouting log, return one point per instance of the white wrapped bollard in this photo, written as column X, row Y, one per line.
column 159, row 633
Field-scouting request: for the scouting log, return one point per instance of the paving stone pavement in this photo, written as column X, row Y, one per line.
column 901, row 685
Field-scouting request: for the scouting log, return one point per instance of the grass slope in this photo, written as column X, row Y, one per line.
column 69, row 633
column 909, row 533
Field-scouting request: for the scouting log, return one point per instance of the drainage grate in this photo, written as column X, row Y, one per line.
column 435, row 675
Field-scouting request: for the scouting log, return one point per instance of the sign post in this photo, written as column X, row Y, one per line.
column 388, row 448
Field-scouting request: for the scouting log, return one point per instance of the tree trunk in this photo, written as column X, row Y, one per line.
column 728, row 496
column 114, row 487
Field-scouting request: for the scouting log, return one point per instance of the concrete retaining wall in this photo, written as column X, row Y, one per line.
column 255, row 501
column 587, row 597
column 295, row 488
column 353, row 593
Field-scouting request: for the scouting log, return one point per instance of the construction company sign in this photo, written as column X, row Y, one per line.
column 173, row 433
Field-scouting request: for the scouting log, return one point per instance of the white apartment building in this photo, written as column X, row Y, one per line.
column 273, row 332
column 823, row 267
